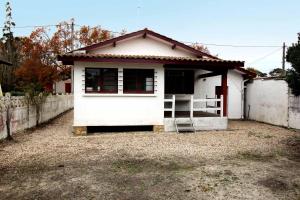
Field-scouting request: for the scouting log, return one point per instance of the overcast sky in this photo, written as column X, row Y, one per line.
column 229, row 22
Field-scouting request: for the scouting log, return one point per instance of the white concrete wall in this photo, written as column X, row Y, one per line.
column 205, row 87
column 294, row 112
column 270, row 101
column 118, row 109
column 140, row 46
column 20, row 120
column 267, row 101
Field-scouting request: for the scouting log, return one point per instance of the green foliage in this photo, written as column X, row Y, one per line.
column 258, row 73
column 293, row 75
column 277, row 72
column 293, row 80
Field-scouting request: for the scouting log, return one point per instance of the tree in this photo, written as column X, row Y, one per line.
column 258, row 73
column 87, row 35
column 63, row 40
column 34, row 78
column 200, row 47
column 293, row 74
column 9, row 46
column 276, row 72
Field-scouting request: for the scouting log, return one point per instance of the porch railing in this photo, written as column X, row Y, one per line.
column 194, row 107
column 207, row 107
column 172, row 108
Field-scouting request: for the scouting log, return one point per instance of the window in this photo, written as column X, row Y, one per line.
column 138, row 80
column 101, row 80
column 179, row 82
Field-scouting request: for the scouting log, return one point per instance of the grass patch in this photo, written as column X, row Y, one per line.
column 255, row 156
column 274, row 184
column 259, row 135
column 292, row 147
column 132, row 165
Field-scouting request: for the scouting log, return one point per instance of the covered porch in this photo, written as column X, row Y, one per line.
column 185, row 102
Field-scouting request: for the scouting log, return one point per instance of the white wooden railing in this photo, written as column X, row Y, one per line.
column 195, row 107
column 172, row 108
column 207, row 107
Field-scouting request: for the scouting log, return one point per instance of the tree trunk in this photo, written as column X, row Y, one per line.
column 8, row 120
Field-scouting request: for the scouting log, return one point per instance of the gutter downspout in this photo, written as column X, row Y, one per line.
column 243, row 98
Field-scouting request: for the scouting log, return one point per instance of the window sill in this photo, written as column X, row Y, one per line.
column 118, row 95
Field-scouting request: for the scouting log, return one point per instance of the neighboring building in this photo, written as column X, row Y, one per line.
column 144, row 78
column 63, row 87
column 2, row 61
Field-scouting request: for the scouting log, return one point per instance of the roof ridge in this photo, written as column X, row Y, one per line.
column 153, row 33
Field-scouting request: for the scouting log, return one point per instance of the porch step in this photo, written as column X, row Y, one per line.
column 184, row 126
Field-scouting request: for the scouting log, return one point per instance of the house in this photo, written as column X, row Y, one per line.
column 146, row 79
column 4, row 62
column 63, row 87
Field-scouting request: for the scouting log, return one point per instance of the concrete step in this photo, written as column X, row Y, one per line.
column 185, row 125
column 187, row 128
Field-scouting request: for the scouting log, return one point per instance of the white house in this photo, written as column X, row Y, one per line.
column 147, row 79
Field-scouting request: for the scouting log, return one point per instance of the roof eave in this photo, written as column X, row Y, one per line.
column 67, row 60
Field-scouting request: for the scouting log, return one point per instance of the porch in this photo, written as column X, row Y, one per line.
column 205, row 114
column 186, row 103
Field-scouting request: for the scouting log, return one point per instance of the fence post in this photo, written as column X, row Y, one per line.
column 221, row 111
column 192, row 107
column 173, row 106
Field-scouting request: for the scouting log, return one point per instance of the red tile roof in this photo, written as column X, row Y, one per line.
column 159, row 59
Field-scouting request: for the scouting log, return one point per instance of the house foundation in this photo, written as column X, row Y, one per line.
column 79, row 130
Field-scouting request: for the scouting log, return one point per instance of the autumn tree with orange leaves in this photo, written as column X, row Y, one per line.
column 39, row 51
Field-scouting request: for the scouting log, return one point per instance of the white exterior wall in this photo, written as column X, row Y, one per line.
column 143, row 46
column 118, row 109
column 205, row 87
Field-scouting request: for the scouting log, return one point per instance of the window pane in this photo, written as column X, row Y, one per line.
column 101, row 80
column 91, row 80
column 110, row 80
column 138, row 80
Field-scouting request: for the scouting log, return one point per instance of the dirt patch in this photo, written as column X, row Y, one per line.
column 49, row 163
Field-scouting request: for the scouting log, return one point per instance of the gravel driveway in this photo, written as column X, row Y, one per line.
column 249, row 161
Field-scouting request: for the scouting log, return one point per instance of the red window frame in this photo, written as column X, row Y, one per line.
column 100, row 80
column 138, row 76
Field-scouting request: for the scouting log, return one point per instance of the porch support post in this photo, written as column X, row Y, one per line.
column 173, row 106
column 224, row 92
column 192, row 107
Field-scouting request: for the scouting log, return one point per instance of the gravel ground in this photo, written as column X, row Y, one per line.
column 249, row 161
